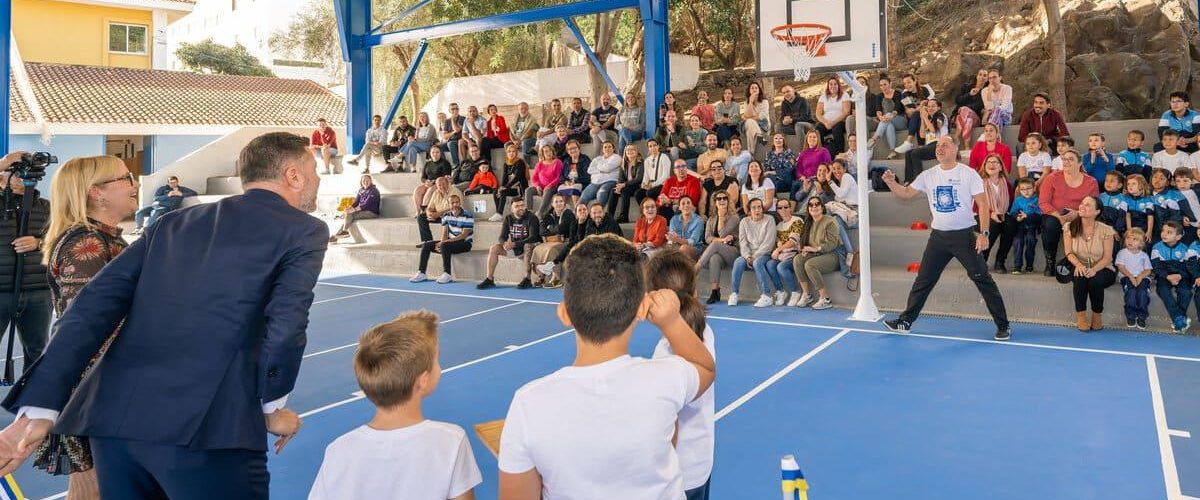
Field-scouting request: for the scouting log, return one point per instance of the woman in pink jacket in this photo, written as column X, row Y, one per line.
column 543, row 182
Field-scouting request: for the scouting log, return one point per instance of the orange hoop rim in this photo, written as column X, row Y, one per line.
column 781, row 32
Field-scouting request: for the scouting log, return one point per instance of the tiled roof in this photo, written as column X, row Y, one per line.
column 96, row 94
column 18, row 109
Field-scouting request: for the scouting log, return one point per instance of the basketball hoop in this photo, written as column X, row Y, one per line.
column 802, row 43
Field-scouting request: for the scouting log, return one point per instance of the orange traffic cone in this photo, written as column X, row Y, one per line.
column 919, row 225
column 913, row 267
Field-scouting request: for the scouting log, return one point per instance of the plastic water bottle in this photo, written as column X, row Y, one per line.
column 795, row 487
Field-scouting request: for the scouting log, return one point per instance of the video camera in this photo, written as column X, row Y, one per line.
column 32, row 166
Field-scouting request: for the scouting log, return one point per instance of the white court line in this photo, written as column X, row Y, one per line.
column 1179, row 433
column 778, row 375
column 447, row 370
column 1170, row 473
column 346, row 297
column 56, row 497
column 451, row 320
column 446, row 294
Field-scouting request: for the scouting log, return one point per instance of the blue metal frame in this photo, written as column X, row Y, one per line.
column 5, row 50
column 655, row 43
column 407, row 12
column 540, row 14
column 408, row 78
column 354, row 21
column 600, row 67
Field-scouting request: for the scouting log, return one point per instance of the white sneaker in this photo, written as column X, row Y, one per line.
column 444, row 278
column 733, row 299
column 546, row 269
column 824, row 303
column 764, row 301
column 781, row 297
column 796, row 296
column 419, row 277
column 904, row 148
column 805, row 300
column 495, row 218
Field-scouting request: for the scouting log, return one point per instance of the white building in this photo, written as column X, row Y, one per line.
column 250, row 23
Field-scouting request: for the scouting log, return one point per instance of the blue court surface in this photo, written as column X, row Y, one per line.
column 944, row 412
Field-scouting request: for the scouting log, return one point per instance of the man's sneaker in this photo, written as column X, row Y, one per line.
column 764, row 300
column 1182, row 326
column 421, row 244
column 1016, row 270
column 824, row 303
column 1141, row 323
column 733, row 299
column 1130, row 323
column 546, row 269
column 496, row 217
column 795, row 299
column 419, row 277
column 485, row 284
column 554, row 283
column 525, row 284
column 781, row 298
column 1003, row 334
column 805, row 300
column 444, row 278
column 897, row 325
column 353, row 162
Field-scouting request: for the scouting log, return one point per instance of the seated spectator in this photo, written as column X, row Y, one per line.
column 705, row 111
column 810, row 157
column 465, row 173
column 990, row 144
column 496, row 134
column 668, row 105
column 693, row 142
column 1059, row 197
column 756, row 239
column 781, row 161
column 655, row 170
column 819, row 186
column 1023, row 223
column 913, row 96
column 650, row 232
column 579, row 122
column 758, row 186
column 756, row 117
column 323, row 145
column 525, row 129
column 631, row 121
column 1043, row 119
column 628, row 186
column 376, row 135
column 685, row 231
column 452, row 131
column 1064, row 144
column 575, row 175
column 997, row 100
column 544, row 181
column 1170, row 157
column 423, row 140
column 1098, row 162
column 602, row 124
column 1035, row 161
column 1133, row 271
column 474, row 130
column 787, row 236
column 603, row 173
column 437, row 204
column 678, row 186
column 484, row 181
column 1088, row 245
column 670, row 137
column 718, row 182
column 1173, row 280
column 458, row 226
column 365, row 206
column 561, row 138
column 999, row 198
column 727, row 117
column 437, row 167
column 166, row 199
column 519, row 234
column 547, row 135
column 934, row 125
column 816, row 256
column 1133, row 160
column 849, row 157
column 794, row 115
column 514, row 179
column 403, row 133
column 845, row 187
column 885, row 112
column 600, row 223
column 721, row 246
column 832, row 109
column 1182, row 119
column 738, row 159
column 561, row 227
column 970, row 105
column 711, row 154
column 396, row 367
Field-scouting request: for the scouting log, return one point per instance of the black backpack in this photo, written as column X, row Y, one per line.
column 877, row 183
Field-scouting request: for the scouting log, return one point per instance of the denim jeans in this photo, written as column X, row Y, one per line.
column 760, row 272
column 412, row 148
column 628, row 137
column 1175, row 298
column 784, row 272
column 33, row 328
column 597, row 191
column 888, row 128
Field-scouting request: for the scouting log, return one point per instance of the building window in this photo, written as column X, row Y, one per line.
column 126, row 38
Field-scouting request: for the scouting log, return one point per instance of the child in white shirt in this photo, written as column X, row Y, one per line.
column 1064, row 144
column 399, row 453
column 1035, row 160
column 1133, row 265
column 1170, row 157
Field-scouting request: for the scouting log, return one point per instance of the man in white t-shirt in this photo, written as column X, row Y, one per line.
column 603, row 427
column 951, row 188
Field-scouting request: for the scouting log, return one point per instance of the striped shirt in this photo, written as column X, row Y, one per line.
column 456, row 224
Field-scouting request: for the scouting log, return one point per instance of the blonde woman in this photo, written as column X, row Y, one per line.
column 89, row 197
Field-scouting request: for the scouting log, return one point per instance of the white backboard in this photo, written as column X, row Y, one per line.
column 857, row 37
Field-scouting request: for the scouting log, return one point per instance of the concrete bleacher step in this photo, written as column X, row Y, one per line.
column 391, row 205
column 889, row 211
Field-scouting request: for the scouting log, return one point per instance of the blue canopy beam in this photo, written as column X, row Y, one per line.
column 500, row 21
column 600, row 67
column 408, row 78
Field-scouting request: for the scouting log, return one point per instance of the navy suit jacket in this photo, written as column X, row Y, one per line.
column 215, row 303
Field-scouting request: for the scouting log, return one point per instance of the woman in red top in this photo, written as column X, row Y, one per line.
column 1059, row 199
column 990, row 144
column 496, row 134
column 650, row 233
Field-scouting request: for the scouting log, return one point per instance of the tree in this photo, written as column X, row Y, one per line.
column 723, row 27
column 1058, row 55
column 212, row 57
column 604, row 32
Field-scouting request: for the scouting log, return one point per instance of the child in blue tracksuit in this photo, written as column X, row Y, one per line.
column 1140, row 212
column 1169, row 203
column 1098, row 162
column 1174, row 283
column 1133, row 160
column 1190, row 206
column 1027, row 215
column 1114, row 205
column 1134, row 268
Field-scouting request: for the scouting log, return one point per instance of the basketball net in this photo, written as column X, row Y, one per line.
column 802, row 43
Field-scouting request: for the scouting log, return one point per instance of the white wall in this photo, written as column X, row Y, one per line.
column 166, row 149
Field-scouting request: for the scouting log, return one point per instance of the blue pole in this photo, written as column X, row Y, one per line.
column 536, row 15
column 600, row 67
column 658, row 64
column 358, row 72
column 407, row 12
column 408, row 78
column 5, row 47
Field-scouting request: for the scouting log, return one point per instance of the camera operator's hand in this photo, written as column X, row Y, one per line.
column 11, row 158
column 25, row 244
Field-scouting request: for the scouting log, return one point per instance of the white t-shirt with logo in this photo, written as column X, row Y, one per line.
column 601, row 431
column 1036, row 165
column 427, row 461
column 697, row 424
column 950, row 194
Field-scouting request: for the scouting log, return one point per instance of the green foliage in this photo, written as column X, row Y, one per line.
column 212, row 57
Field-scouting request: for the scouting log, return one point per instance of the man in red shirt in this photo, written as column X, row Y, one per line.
column 323, row 144
column 679, row 185
column 1043, row 119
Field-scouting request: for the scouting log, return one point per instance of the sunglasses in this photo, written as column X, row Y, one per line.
column 814, row 205
column 127, row 177
column 722, row 199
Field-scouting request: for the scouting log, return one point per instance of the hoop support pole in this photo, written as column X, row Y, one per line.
column 865, row 310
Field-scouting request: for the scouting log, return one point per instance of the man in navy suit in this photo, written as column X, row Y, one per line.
column 180, row 405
